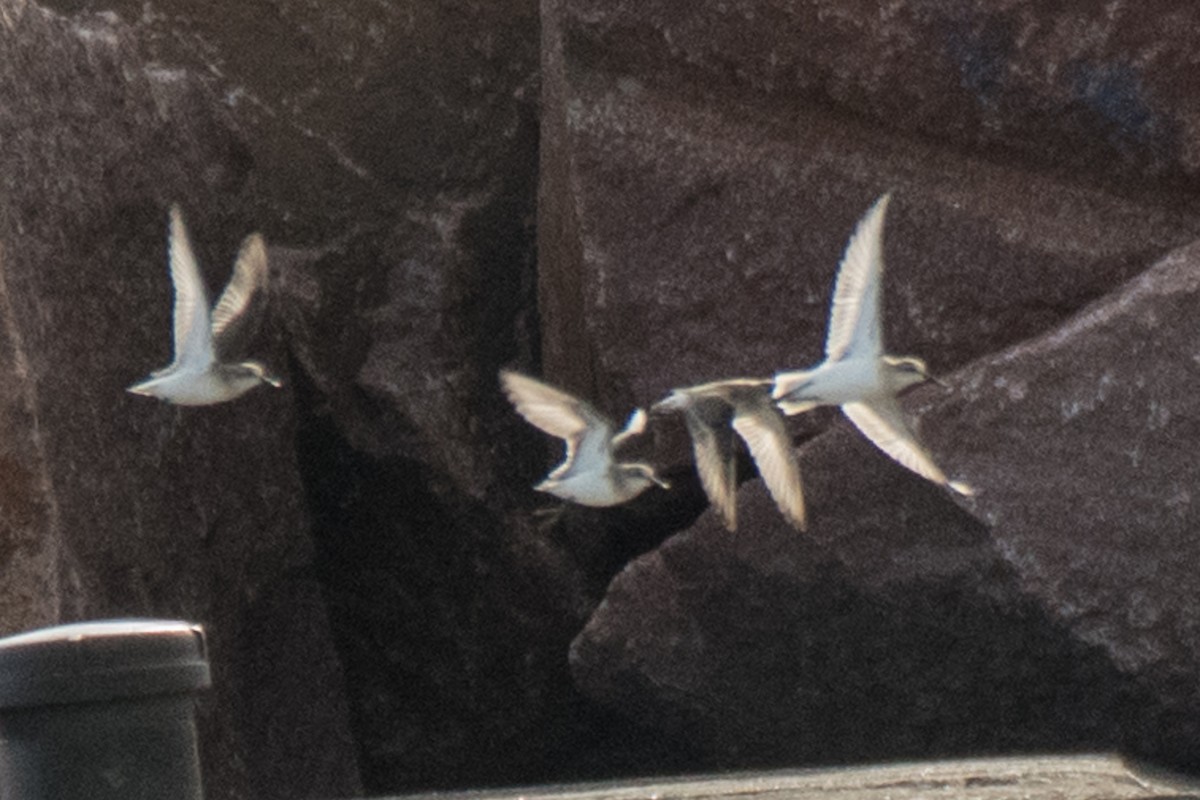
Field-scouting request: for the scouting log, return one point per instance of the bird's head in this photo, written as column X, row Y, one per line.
column 908, row 371
column 259, row 372
column 642, row 474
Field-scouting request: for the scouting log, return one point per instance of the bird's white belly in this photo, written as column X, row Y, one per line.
column 201, row 389
column 588, row 489
column 841, row 382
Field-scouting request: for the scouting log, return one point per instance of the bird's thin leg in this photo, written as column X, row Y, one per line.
column 550, row 516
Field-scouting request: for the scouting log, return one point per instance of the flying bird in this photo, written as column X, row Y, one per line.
column 713, row 412
column 199, row 373
column 589, row 473
column 857, row 374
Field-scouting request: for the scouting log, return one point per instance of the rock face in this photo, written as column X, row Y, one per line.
column 708, row 162
column 1045, row 613
column 1075, row 87
column 623, row 197
column 707, row 220
column 115, row 505
column 393, row 151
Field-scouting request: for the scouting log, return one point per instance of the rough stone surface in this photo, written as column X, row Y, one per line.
column 115, row 505
column 1091, row 90
column 622, row 197
column 1100, row 519
column 1073, row 777
column 394, row 153
column 707, row 228
column 702, row 167
column 1051, row 611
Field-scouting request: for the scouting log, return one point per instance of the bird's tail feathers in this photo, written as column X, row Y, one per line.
column 145, row 388
column 788, row 392
column 634, row 427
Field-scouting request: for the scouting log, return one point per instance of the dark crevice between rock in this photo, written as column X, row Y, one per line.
column 604, row 541
column 499, row 310
column 455, row 654
column 405, row 573
column 453, row 613
column 569, row 354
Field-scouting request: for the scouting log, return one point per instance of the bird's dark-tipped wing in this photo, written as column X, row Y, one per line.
column 555, row 412
column 192, row 341
column 882, row 421
column 855, row 326
column 233, row 317
column 712, row 446
column 761, row 428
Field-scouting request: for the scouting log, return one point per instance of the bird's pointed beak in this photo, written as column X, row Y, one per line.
column 938, row 381
column 661, row 483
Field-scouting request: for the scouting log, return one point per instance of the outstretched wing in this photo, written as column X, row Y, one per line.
column 761, row 428
column 230, row 319
column 552, row 410
column 882, row 421
column 193, row 343
column 555, row 412
column 716, row 463
column 854, row 318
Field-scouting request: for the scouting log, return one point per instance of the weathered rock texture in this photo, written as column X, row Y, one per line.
column 623, row 197
column 1074, row 88
column 115, row 505
column 1054, row 610
column 708, row 212
column 703, row 165
column 394, row 151
column 1103, row 777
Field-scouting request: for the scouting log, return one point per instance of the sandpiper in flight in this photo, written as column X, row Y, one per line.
column 856, row 374
column 713, row 411
column 197, row 376
column 589, row 473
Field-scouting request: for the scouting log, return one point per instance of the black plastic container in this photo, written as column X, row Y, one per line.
column 102, row 710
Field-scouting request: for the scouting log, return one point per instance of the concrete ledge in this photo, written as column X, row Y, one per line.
column 1086, row 777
